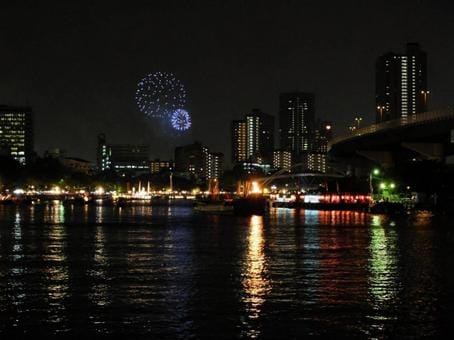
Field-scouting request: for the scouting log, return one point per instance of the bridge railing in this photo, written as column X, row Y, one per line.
column 395, row 123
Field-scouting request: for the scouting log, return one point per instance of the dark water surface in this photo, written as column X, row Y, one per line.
column 171, row 273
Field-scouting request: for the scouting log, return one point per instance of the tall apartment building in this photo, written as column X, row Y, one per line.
column 239, row 141
column 282, row 159
column 253, row 138
column 214, row 165
column 401, row 84
column 316, row 159
column 296, row 123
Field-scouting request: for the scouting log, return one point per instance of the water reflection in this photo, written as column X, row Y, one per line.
column 18, row 270
column 99, row 214
column 100, row 289
column 56, row 269
column 383, row 268
column 255, row 282
column 338, row 218
column 54, row 213
column 17, row 237
column 133, row 273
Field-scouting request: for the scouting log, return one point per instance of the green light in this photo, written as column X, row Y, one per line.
column 392, row 185
column 382, row 185
column 376, row 172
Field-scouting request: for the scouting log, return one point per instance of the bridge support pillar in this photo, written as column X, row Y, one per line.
column 384, row 158
column 431, row 151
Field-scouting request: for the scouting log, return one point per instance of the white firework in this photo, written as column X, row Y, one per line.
column 159, row 94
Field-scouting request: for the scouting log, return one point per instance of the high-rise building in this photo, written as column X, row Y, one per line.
column 16, row 132
column 322, row 135
column 239, row 141
column 282, row 159
column 253, row 138
column 214, row 165
column 264, row 124
column 102, row 153
column 401, row 84
column 296, row 123
column 316, row 159
column 124, row 158
column 191, row 159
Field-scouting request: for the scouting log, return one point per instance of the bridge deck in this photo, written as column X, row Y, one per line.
column 420, row 118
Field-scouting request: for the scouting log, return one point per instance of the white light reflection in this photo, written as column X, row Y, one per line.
column 18, row 269
column 56, row 270
column 255, row 282
column 99, row 294
column 383, row 271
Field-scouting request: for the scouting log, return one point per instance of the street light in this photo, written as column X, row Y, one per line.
column 358, row 121
column 380, row 108
column 374, row 172
column 425, row 93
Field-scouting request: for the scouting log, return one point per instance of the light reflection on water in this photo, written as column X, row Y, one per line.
column 99, row 290
column 142, row 270
column 255, row 282
column 384, row 282
column 55, row 269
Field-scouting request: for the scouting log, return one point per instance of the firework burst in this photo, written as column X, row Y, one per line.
column 180, row 120
column 159, row 94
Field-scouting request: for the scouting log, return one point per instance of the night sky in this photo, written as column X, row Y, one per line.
column 78, row 65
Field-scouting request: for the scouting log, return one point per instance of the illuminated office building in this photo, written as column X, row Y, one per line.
column 16, row 132
column 158, row 165
column 123, row 158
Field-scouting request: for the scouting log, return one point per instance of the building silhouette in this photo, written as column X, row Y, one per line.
column 191, row 159
column 296, row 123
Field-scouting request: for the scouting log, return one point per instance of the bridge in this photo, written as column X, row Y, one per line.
column 424, row 136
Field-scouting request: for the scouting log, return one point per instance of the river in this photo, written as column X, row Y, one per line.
column 174, row 274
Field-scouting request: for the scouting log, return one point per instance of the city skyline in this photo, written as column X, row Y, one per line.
column 72, row 77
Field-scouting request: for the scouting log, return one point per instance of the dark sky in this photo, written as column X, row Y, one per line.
column 77, row 62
